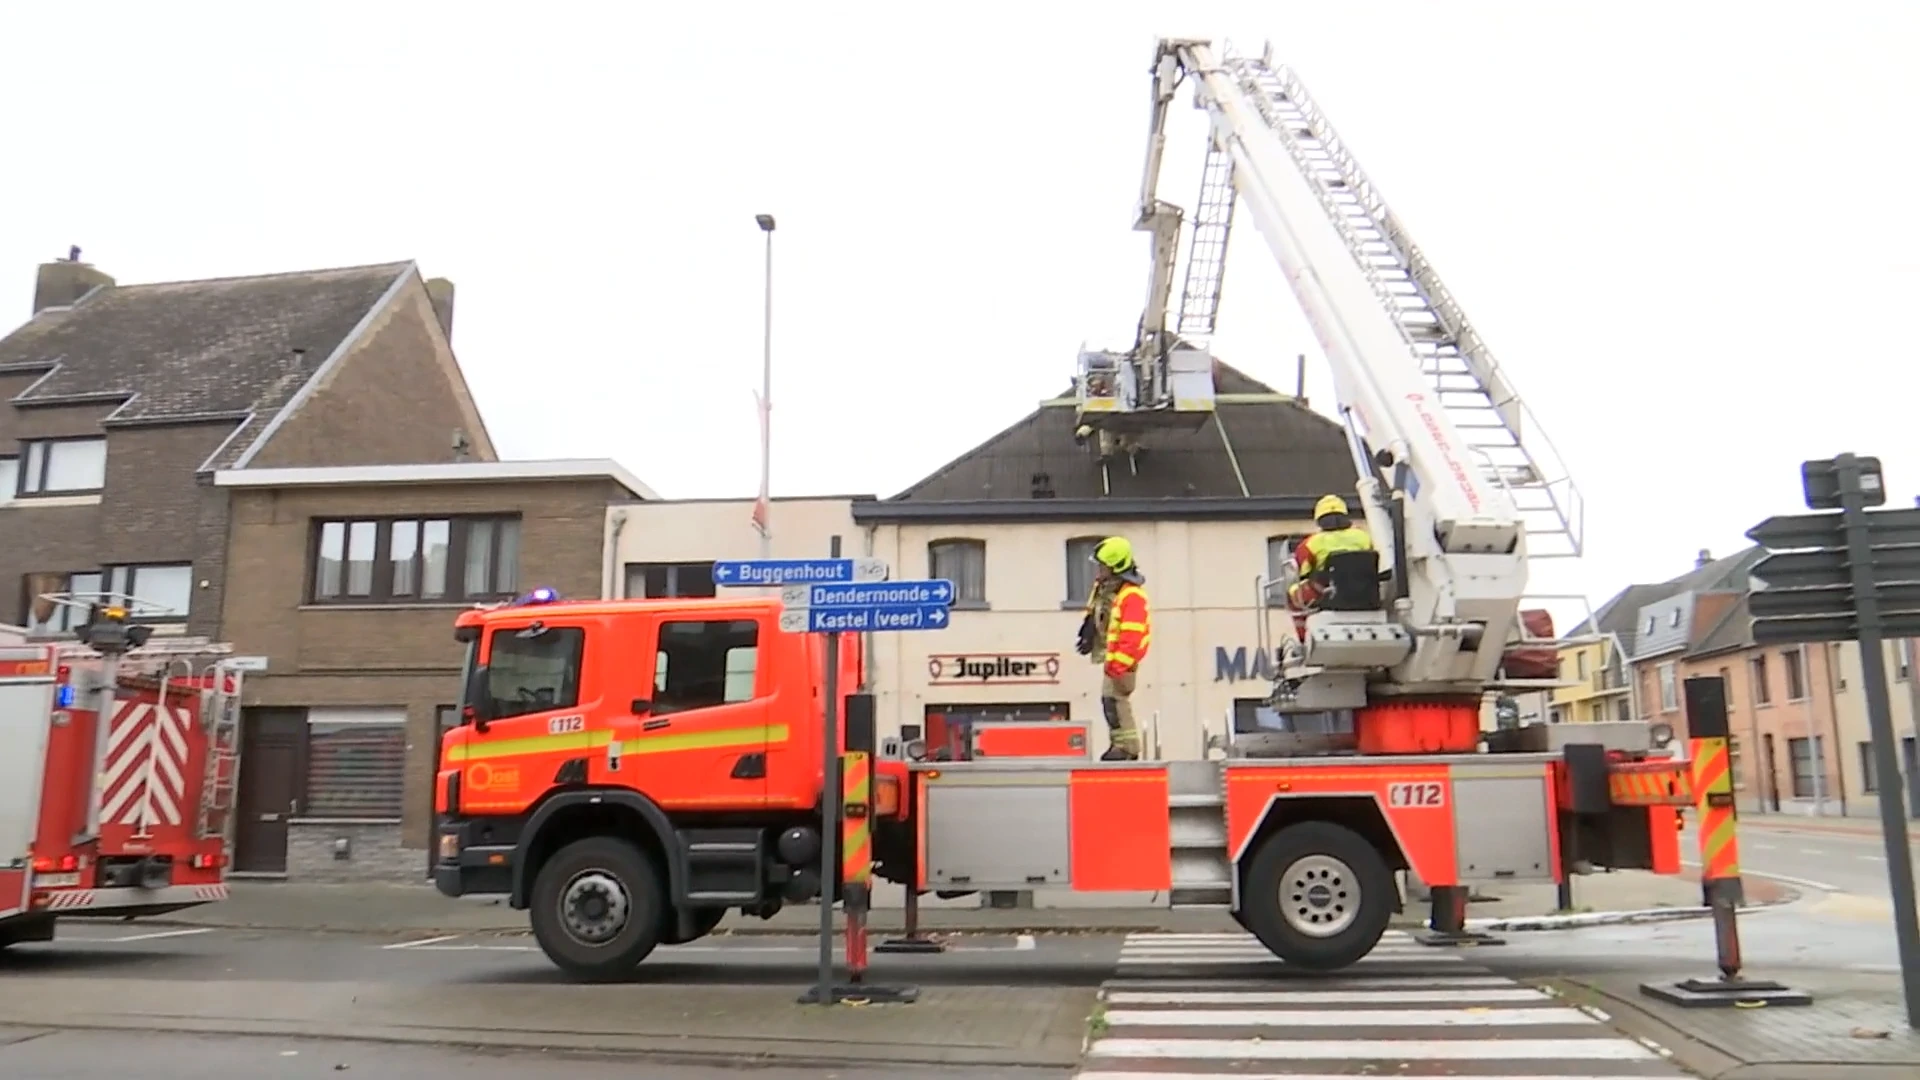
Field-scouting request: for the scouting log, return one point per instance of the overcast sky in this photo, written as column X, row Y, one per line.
column 1689, row 231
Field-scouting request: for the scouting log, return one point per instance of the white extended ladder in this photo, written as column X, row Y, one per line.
column 1466, row 379
column 220, row 711
column 1207, row 252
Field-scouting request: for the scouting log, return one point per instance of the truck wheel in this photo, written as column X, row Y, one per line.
column 596, row 908
column 1318, row 895
column 704, row 920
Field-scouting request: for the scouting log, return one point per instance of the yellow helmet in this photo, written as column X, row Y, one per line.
column 1329, row 504
column 1114, row 553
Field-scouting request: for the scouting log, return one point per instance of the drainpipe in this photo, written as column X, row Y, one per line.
column 610, row 575
column 1833, row 721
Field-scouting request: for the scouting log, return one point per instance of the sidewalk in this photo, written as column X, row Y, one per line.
column 1849, row 826
column 419, row 909
column 1854, row 1030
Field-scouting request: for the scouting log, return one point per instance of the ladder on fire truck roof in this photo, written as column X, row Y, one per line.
column 1499, row 429
column 159, row 659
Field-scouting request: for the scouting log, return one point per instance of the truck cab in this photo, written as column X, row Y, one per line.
column 629, row 770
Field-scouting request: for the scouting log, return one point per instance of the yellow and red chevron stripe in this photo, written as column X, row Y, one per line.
column 856, row 833
column 1713, row 785
column 1651, row 783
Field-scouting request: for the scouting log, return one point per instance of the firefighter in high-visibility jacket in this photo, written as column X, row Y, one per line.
column 1115, row 634
column 1337, row 533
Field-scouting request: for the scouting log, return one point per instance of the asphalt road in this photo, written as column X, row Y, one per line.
column 28, row 1054
column 1829, row 861
column 140, row 951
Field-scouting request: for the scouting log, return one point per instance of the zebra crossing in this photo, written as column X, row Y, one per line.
column 1199, row 1006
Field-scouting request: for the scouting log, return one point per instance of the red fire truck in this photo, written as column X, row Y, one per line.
column 629, row 770
column 117, row 773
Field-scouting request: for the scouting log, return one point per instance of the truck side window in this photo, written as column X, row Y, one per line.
column 702, row 664
column 527, row 674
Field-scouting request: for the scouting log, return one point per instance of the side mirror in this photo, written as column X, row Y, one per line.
column 641, row 706
column 477, row 699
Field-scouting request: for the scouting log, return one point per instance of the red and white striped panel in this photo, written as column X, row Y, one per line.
column 99, row 899
column 146, row 773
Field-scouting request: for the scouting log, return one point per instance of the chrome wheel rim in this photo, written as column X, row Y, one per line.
column 594, row 907
column 1319, row 896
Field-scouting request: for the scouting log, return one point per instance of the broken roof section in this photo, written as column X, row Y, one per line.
column 1263, row 445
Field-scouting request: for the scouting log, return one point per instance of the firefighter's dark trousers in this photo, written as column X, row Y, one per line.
column 1116, row 702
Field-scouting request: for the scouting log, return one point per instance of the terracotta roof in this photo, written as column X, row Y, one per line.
column 189, row 350
column 1282, row 448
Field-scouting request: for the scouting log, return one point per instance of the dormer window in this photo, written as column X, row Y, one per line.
column 1674, row 619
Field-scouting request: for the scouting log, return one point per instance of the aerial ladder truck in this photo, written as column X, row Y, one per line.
column 625, row 810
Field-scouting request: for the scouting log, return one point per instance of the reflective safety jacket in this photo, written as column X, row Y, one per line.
column 1312, row 554
column 1129, row 628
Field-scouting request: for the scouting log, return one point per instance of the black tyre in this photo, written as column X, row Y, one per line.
column 1318, row 895
column 704, row 920
column 596, row 908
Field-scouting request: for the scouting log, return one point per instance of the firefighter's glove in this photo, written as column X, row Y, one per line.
column 1116, row 669
column 1087, row 635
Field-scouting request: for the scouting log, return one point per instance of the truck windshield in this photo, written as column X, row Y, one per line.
column 534, row 669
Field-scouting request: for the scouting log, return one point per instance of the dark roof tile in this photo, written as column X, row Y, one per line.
column 1281, row 448
column 185, row 350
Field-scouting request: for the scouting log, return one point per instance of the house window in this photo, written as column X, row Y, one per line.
column 9, row 478
column 1669, row 688
column 702, row 664
column 1280, row 550
column 1801, row 752
column 1673, row 620
column 48, row 616
column 1726, row 685
column 1868, row 778
column 963, row 562
column 415, row 560
column 1580, row 664
column 1653, row 623
column 356, row 764
column 1795, row 662
column 157, row 593
column 652, row 581
column 1622, row 710
column 1835, row 654
column 1903, row 653
column 1762, row 693
column 62, row 466
column 1733, row 761
column 1080, row 551
column 535, row 669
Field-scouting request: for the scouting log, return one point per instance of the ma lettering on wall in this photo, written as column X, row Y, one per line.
column 1233, row 666
column 994, row 669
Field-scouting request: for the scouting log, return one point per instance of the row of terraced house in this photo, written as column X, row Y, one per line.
column 293, row 464
column 1801, row 741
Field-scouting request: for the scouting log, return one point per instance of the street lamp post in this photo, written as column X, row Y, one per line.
column 763, row 509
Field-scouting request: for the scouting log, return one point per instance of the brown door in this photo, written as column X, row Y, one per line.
column 273, row 752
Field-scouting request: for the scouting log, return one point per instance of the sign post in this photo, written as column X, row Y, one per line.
column 835, row 596
column 1853, row 575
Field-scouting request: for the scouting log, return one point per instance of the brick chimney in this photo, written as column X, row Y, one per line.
column 1702, row 559
column 440, row 290
column 65, row 281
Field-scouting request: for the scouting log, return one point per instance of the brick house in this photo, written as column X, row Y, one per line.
column 121, row 401
column 345, row 582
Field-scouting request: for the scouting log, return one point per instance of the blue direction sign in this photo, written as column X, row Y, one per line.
column 936, row 591
column 758, row 573
column 876, row 618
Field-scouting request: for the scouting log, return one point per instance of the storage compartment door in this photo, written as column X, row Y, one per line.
column 997, row 836
column 26, row 713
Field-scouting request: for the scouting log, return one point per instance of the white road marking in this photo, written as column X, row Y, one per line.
column 154, row 936
column 1469, row 1017
column 421, row 942
column 1402, row 996
column 1290, row 1075
column 1874, row 858
column 1401, row 1050
column 1024, row 943
column 1748, row 871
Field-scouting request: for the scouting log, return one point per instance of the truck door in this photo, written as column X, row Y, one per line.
column 539, row 697
column 702, row 712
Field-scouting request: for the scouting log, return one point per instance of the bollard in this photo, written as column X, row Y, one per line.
column 1447, row 920
column 911, row 940
column 1712, row 780
column 856, row 889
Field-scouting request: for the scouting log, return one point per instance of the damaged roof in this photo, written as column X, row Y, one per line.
column 195, row 350
column 1279, row 446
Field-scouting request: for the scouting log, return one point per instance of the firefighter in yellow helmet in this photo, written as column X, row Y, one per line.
column 1337, row 533
column 1115, row 633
